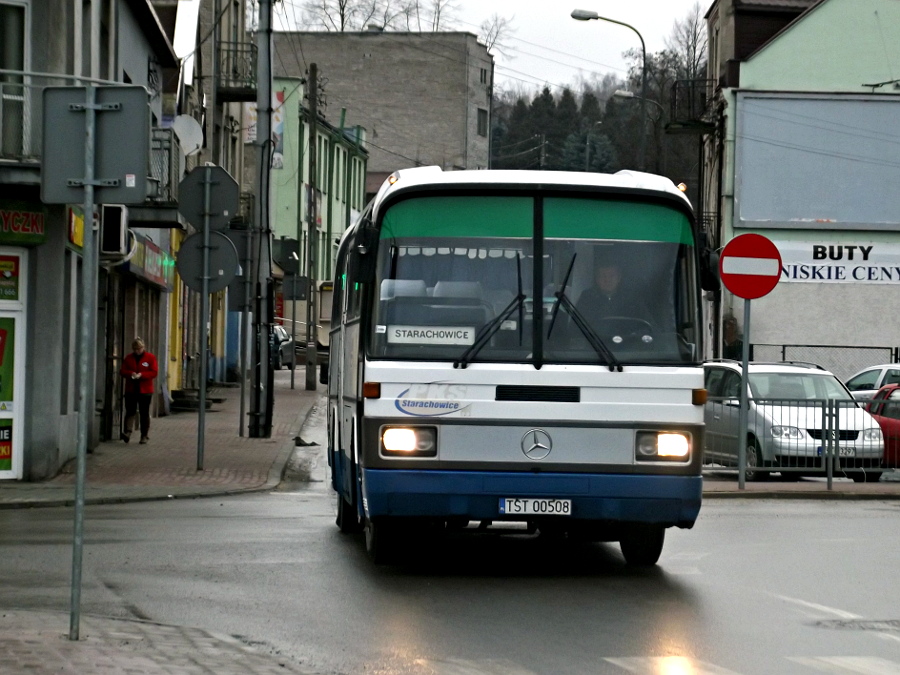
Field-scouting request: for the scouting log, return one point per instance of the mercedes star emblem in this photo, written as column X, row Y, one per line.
column 536, row 444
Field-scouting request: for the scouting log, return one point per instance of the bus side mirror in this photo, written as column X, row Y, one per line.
column 362, row 252
column 709, row 270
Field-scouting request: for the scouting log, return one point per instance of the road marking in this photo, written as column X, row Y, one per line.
column 844, row 665
column 668, row 665
column 841, row 614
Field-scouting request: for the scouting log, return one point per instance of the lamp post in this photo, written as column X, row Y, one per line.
column 587, row 15
column 621, row 93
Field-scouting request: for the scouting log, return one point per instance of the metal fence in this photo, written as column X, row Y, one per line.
column 166, row 166
column 794, row 436
column 841, row 360
column 21, row 114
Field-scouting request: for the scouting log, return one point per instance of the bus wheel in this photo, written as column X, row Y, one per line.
column 381, row 541
column 642, row 544
column 347, row 519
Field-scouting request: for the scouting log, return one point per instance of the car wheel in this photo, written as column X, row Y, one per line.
column 278, row 364
column 865, row 476
column 754, row 462
column 347, row 519
column 643, row 544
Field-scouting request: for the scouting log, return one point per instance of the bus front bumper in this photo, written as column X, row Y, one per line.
column 670, row 500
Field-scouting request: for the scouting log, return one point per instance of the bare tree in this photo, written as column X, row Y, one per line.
column 494, row 32
column 352, row 15
column 688, row 43
column 428, row 16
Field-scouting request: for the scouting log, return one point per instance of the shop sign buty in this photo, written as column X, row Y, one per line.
column 859, row 263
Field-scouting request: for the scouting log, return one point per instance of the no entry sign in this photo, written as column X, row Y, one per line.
column 750, row 266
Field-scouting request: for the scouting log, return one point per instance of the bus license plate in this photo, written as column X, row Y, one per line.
column 512, row 506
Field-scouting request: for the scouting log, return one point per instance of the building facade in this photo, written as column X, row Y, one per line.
column 423, row 98
column 804, row 152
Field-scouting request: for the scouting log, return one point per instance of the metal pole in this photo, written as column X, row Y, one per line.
column 294, row 315
column 260, row 425
column 204, row 316
column 245, row 326
column 85, row 352
column 742, row 419
column 311, row 233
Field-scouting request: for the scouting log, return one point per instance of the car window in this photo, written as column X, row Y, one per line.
column 892, row 376
column 807, row 386
column 731, row 385
column 714, row 381
column 865, row 380
column 891, row 410
column 894, row 394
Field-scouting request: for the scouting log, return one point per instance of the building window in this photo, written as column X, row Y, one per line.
column 482, row 122
column 484, row 76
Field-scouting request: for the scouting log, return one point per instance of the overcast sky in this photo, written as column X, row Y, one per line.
column 548, row 46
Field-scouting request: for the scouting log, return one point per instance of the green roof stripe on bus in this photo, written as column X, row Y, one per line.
column 460, row 217
column 625, row 220
column 564, row 218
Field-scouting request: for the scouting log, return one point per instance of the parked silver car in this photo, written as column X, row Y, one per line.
column 787, row 421
column 864, row 384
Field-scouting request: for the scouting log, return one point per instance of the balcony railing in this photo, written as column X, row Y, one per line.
column 691, row 107
column 166, row 166
column 20, row 116
column 237, row 72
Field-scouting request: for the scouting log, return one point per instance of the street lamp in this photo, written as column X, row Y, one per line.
column 622, row 93
column 587, row 15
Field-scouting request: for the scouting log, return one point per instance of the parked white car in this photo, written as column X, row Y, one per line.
column 786, row 422
column 864, row 384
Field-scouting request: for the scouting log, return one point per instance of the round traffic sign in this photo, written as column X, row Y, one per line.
column 750, row 266
column 223, row 262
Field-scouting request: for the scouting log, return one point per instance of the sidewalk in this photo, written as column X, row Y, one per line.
column 166, row 467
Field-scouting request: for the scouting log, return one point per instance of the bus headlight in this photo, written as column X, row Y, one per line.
column 409, row 441
column 654, row 446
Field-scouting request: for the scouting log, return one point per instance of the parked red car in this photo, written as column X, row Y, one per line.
column 885, row 407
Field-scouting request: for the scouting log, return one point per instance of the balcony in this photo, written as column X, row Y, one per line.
column 691, row 107
column 166, row 171
column 236, row 75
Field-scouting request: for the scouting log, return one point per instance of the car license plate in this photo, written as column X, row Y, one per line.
column 513, row 506
column 843, row 451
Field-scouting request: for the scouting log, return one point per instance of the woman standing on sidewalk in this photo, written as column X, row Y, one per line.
column 139, row 370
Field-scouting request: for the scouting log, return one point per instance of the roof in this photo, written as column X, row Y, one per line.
column 776, row 4
column 434, row 175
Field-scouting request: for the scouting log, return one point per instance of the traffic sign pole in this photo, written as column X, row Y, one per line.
column 204, row 315
column 750, row 267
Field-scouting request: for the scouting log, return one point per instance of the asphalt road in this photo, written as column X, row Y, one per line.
column 758, row 587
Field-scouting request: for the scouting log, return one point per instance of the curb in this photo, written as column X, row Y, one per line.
column 275, row 476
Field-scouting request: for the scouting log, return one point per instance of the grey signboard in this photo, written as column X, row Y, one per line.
column 817, row 161
column 122, row 145
column 224, row 197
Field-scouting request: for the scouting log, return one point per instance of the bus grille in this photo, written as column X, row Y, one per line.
column 516, row 392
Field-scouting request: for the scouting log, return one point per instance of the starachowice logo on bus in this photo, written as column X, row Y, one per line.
column 431, row 400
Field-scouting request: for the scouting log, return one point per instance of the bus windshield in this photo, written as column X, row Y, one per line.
column 544, row 279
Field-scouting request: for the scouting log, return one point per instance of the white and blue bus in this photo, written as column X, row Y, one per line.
column 469, row 383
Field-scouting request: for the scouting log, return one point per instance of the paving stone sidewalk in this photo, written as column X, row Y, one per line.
column 167, row 465
column 37, row 643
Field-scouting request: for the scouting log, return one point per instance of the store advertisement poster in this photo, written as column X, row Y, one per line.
column 9, row 277
column 6, row 428
column 7, row 362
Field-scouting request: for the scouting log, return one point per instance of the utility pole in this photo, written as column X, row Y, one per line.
column 312, row 232
column 263, row 376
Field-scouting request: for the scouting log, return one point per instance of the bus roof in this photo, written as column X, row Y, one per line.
column 435, row 175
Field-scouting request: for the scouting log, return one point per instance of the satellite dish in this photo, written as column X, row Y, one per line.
column 190, row 134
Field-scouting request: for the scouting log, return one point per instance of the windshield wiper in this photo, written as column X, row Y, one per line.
column 489, row 329
column 593, row 339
